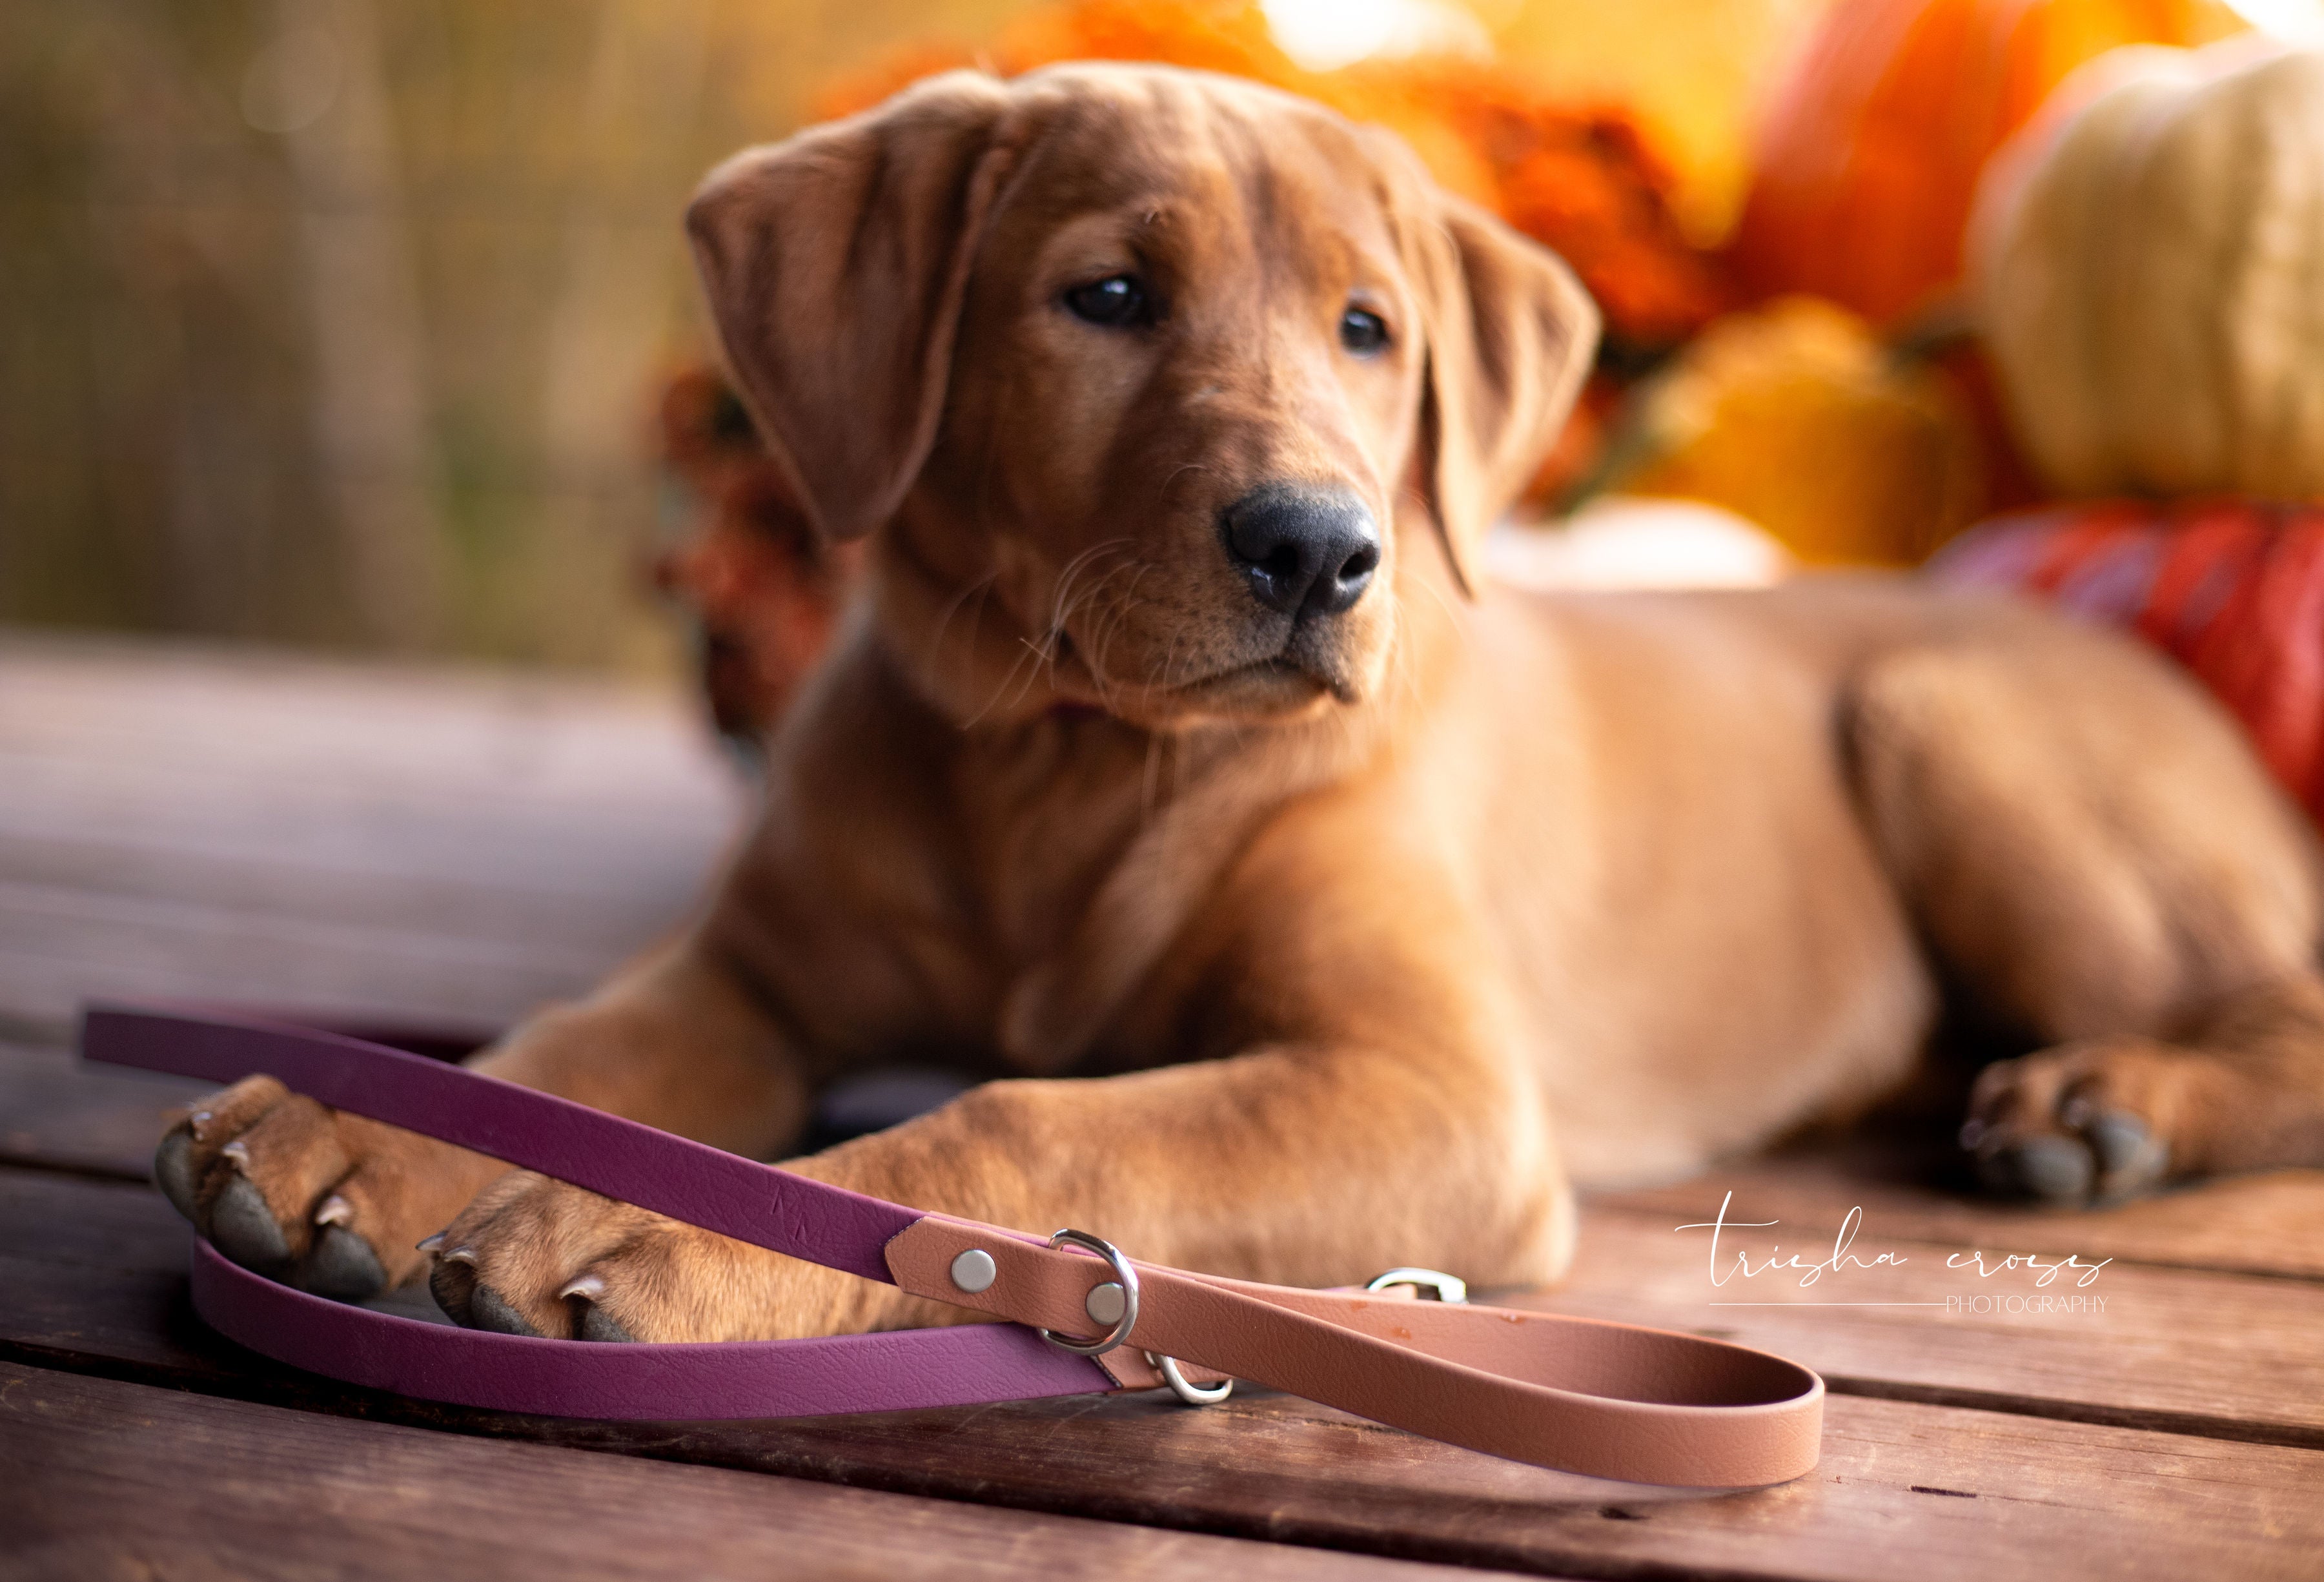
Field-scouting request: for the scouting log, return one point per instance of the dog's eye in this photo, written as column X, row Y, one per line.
column 1362, row 331
column 1117, row 301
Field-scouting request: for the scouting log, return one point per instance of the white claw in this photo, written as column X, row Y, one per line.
column 429, row 1243
column 238, row 1151
column 588, row 1287
column 336, row 1210
column 460, row 1255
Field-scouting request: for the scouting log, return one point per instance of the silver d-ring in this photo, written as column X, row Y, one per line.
column 1124, row 1272
column 1192, row 1395
column 1448, row 1287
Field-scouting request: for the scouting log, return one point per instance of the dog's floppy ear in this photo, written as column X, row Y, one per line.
column 1511, row 334
column 834, row 264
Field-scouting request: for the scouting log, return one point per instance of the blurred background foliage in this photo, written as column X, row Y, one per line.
column 343, row 322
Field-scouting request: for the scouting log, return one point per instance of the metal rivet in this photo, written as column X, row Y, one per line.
column 973, row 1270
column 1105, row 1304
column 1123, row 1304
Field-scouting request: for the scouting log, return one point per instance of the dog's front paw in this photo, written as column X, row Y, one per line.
column 533, row 1255
column 2083, row 1122
column 329, row 1202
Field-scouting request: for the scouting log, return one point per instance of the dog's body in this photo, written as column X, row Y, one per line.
column 1327, row 919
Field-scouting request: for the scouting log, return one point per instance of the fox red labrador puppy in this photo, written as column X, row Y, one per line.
column 1315, row 907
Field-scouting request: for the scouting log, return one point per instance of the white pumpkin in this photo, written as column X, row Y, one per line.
column 2147, row 270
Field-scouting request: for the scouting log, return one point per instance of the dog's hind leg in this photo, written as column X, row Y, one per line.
column 2095, row 858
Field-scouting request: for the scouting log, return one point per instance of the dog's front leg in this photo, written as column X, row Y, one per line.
column 334, row 1203
column 1308, row 1163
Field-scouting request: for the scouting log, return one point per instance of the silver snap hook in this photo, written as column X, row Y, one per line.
column 1191, row 1393
column 1445, row 1288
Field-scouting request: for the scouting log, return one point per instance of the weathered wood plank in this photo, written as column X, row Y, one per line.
column 88, row 1282
column 185, row 829
column 2265, row 1224
column 58, row 1113
column 89, row 1224
column 603, row 905
column 2138, row 1346
column 293, row 722
column 60, row 948
column 420, row 843
column 103, row 1478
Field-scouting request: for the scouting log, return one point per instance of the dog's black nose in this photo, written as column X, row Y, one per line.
column 1307, row 552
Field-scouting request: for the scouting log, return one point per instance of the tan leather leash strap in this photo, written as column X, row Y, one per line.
column 1608, row 1400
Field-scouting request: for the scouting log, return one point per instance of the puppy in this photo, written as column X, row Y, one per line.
column 1310, row 906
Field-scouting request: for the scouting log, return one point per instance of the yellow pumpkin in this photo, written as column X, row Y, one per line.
column 2147, row 266
column 1796, row 417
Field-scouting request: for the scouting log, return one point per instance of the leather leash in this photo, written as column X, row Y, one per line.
column 1582, row 1395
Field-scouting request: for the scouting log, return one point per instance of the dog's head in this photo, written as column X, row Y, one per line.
column 1154, row 361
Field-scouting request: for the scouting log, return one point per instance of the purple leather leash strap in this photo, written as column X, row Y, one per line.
column 688, row 1180
column 1609, row 1400
column 963, row 1365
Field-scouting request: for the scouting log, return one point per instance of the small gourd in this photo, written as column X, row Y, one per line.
column 2147, row 266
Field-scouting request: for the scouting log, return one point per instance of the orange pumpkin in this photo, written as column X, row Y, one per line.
column 2234, row 589
column 1869, row 154
column 1797, row 418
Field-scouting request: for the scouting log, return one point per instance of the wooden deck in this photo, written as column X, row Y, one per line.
column 460, row 847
